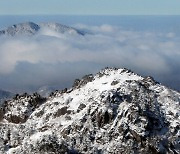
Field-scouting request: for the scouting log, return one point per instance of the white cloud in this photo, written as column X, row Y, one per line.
column 145, row 52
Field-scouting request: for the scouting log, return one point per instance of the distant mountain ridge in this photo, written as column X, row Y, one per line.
column 30, row 28
column 5, row 95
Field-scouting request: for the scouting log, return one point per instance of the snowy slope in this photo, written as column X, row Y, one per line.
column 30, row 28
column 115, row 111
column 61, row 28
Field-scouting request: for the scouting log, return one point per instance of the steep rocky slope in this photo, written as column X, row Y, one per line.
column 115, row 111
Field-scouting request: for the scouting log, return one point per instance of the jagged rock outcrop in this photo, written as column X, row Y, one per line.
column 12, row 109
column 81, row 82
column 115, row 111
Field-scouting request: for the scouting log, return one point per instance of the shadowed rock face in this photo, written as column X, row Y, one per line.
column 115, row 111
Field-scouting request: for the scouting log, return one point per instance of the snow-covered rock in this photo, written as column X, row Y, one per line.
column 115, row 111
column 30, row 28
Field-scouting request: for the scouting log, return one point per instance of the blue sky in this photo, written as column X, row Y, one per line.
column 90, row 7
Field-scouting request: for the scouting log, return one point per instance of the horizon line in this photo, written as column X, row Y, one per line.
column 90, row 14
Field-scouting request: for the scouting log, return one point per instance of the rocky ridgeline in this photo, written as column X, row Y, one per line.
column 115, row 111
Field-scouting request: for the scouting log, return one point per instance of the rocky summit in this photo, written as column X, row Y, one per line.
column 114, row 111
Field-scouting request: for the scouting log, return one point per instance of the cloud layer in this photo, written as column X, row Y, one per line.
column 50, row 58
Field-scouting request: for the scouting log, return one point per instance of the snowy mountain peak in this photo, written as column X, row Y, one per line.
column 113, row 111
column 61, row 28
column 30, row 28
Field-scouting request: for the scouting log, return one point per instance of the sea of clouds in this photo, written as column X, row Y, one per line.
column 53, row 59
